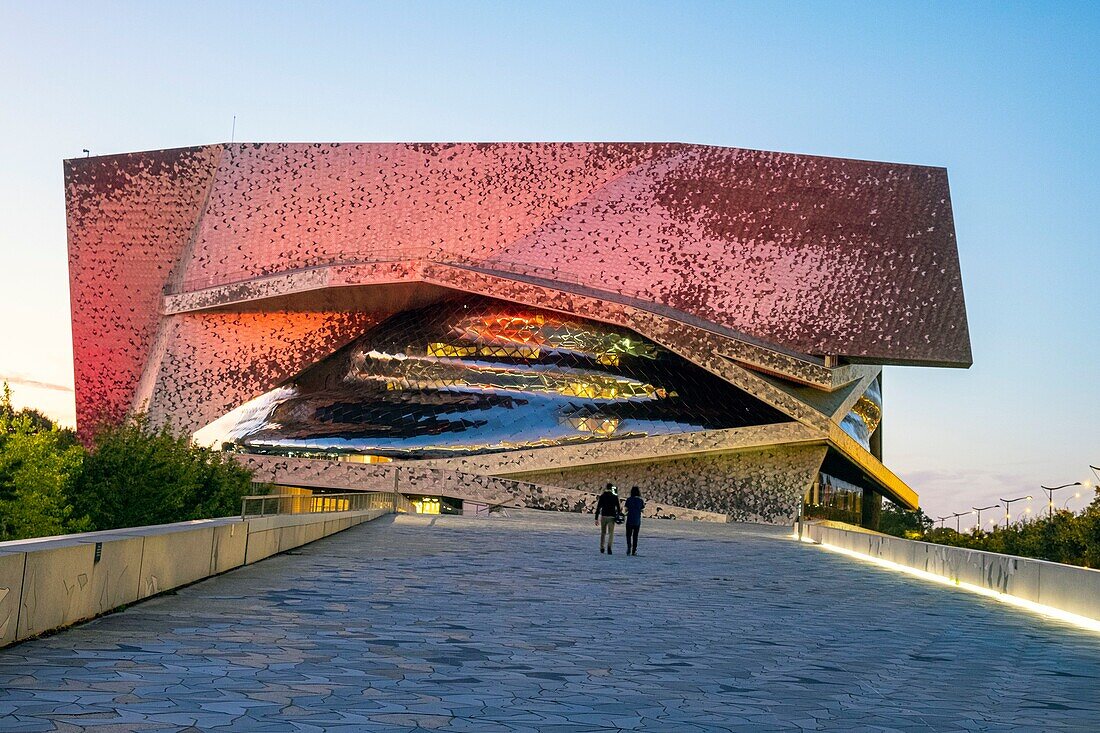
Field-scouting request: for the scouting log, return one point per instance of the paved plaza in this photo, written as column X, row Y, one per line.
column 520, row 624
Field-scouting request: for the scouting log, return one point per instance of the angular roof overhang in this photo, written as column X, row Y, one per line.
column 809, row 255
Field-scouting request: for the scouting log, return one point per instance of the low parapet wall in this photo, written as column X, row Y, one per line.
column 1066, row 588
column 53, row 582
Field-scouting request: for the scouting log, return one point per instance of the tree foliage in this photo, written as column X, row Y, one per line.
column 136, row 474
column 902, row 522
column 1066, row 537
column 133, row 475
column 38, row 463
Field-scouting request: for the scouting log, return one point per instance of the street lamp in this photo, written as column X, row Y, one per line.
column 1008, row 504
column 979, row 510
column 941, row 521
column 1076, row 495
column 958, row 522
column 1050, row 495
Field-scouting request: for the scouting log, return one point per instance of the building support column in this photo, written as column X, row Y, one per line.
column 872, row 509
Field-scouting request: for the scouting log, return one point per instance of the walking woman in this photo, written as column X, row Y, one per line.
column 634, row 506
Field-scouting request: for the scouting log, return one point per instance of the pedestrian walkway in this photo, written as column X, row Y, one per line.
column 520, row 624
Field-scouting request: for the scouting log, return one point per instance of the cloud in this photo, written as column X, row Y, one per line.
column 25, row 382
column 967, row 479
column 943, row 492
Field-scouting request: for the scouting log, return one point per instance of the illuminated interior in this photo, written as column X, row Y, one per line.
column 426, row 504
column 831, row 497
column 475, row 375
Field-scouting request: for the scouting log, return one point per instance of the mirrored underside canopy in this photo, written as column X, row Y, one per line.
column 474, row 375
column 863, row 419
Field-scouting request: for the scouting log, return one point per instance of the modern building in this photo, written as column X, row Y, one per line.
column 535, row 319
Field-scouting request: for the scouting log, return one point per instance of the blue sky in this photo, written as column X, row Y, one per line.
column 1004, row 95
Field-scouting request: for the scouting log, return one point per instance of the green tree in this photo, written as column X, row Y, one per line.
column 1087, row 531
column 902, row 522
column 1064, row 537
column 137, row 475
column 39, row 463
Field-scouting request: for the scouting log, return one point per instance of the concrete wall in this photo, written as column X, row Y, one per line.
column 762, row 485
column 53, row 582
column 1064, row 587
column 419, row 477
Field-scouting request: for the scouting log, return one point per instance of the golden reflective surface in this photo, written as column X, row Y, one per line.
column 865, row 416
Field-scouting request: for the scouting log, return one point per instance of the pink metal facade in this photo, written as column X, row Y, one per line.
column 810, row 255
column 202, row 278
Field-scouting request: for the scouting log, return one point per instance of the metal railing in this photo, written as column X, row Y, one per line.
column 358, row 501
column 401, row 505
column 432, row 255
column 640, row 295
column 241, row 275
column 491, row 509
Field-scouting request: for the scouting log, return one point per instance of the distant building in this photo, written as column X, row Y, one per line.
column 707, row 323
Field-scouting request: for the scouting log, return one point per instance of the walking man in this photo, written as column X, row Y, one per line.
column 634, row 506
column 607, row 511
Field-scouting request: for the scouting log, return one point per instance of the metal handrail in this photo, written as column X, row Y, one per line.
column 402, row 505
column 399, row 254
column 491, row 263
column 357, row 501
column 490, row 509
column 243, row 275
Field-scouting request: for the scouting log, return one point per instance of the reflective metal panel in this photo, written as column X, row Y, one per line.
column 865, row 416
column 476, row 375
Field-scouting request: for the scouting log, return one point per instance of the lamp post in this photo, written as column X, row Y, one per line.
column 1050, row 495
column 941, row 521
column 979, row 510
column 1065, row 504
column 958, row 521
column 1008, row 504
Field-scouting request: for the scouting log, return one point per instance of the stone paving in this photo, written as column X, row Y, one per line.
column 519, row 624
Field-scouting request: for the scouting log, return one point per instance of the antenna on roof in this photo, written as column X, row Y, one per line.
column 86, row 152
column 233, row 132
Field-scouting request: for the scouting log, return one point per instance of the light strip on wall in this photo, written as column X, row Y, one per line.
column 1082, row 622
